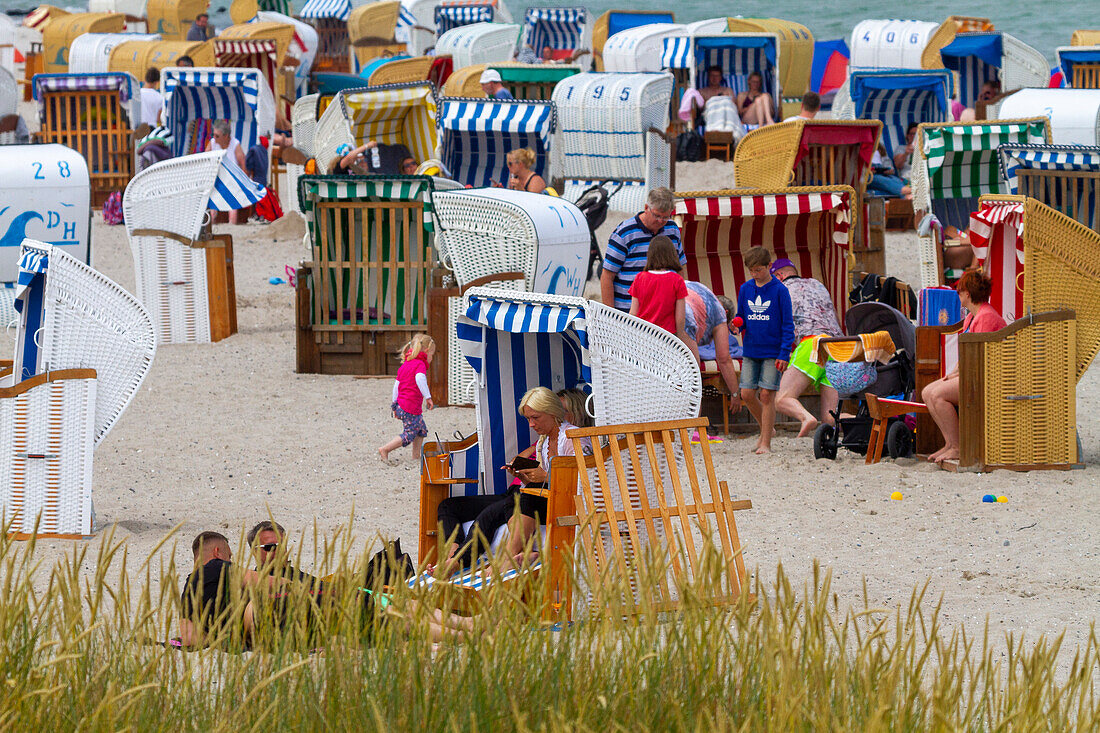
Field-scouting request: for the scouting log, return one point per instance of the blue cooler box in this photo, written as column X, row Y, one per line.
column 939, row 307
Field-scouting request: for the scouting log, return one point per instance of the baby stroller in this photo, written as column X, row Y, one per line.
column 593, row 203
column 856, row 378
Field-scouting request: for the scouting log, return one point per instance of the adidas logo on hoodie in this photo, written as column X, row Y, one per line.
column 759, row 310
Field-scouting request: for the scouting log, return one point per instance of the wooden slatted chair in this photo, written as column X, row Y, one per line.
column 646, row 495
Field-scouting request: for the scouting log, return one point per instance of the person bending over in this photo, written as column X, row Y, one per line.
column 707, row 319
column 942, row 396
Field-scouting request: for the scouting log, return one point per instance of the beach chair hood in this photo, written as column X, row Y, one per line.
column 318, row 9
column 479, row 133
column 562, row 29
column 241, row 96
column 1072, row 195
column 126, row 86
column 900, row 98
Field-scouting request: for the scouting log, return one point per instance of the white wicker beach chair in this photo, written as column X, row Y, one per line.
column 417, row 22
column 479, row 43
column 889, row 44
column 303, row 122
column 639, row 48
column 954, row 163
column 91, row 52
column 393, row 113
column 513, row 239
column 165, row 206
column 611, row 126
column 83, row 348
column 1074, row 113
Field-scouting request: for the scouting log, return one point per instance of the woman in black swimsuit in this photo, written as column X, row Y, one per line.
column 521, row 177
column 756, row 105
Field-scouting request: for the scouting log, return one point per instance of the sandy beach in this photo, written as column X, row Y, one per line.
column 221, row 435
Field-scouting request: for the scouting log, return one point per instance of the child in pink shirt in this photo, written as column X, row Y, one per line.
column 658, row 293
column 410, row 390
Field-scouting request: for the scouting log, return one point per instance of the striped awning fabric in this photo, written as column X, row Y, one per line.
column 996, row 233
column 203, row 94
column 276, row 6
column 963, row 161
column 233, row 189
column 338, row 9
column 30, row 294
column 1068, row 57
column 977, row 57
column 453, row 16
column 1046, row 158
column 900, row 99
column 313, row 189
column 811, row 229
column 43, row 84
column 401, row 113
column 476, row 578
column 249, row 54
column 405, row 21
column 514, row 342
column 676, row 53
column 558, row 28
column 479, row 133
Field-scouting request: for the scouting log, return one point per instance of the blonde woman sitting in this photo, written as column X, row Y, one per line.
column 521, row 177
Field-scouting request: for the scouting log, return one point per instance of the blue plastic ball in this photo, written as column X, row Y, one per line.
column 989, row 499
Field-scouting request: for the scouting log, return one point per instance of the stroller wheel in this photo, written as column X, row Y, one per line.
column 899, row 440
column 825, row 442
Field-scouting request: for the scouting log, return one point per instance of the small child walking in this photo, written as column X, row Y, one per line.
column 767, row 336
column 658, row 293
column 410, row 391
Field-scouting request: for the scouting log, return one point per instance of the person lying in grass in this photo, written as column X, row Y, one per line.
column 214, row 601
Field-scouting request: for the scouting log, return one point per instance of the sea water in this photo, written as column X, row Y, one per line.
column 1042, row 24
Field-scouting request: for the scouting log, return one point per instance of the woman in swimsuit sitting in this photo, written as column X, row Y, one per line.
column 521, row 177
column 756, row 105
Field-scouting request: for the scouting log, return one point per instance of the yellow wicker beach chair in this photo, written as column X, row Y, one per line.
column 955, row 24
column 401, row 71
column 136, row 57
column 1085, row 38
column 172, row 19
column 371, row 30
column 60, row 33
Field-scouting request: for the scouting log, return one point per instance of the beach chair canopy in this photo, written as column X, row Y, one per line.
column 818, row 152
column 796, row 50
column 330, row 82
column 604, row 122
column 448, row 16
column 899, row 99
column 479, row 43
column 135, row 57
column 996, row 57
column 562, row 29
column 890, row 44
column 262, row 54
column 127, row 87
column 478, row 134
column 1081, row 58
column 1070, row 187
column 620, row 20
column 1074, row 113
column 1040, row 260
column 397, row 113
column 91, row 52
column 72, row 317
column 514, row 341
column 638, row 48
column 321, row 9
column 830, row 66
column 240, row 96
column 738, row 54
column 809, row 225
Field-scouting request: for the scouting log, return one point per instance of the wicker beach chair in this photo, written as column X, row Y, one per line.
column 1080, row 65
column 637, row 48
column 9, row 106
column 60, row 33
column 172, row 19
column 184, row 276
column 398, row 113
column 371, row 30
column 401, row 71
column 94, row 114
column 636, row 373
column 610, row 128
column 613, row 22
column 261, row 45
column 449, row 16
column 946, row 34
column 330, row 18
column 91, row 52
column 1064, row 177
column 421, row 23
column 477, row 135
column 83, row 348
column 240, row 96
column 479, row 43
column 512, row 239
column 136, row 57
column 897, row 99
column 953, row 164
column 653, row 513
column 364, row 293
column 565, row 30
column 978, row 58
column 795, row 56
column 303, row 125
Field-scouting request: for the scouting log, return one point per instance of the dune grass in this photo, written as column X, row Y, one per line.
column 77, row 656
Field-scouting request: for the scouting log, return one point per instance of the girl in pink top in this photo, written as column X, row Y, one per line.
column 658, row 293
column 942, row 396
column 410, row 391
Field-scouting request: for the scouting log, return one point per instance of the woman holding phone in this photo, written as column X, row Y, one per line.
column 546, row 417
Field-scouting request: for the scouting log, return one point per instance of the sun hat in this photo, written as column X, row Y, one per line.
column 780, row 264
column 488, row 76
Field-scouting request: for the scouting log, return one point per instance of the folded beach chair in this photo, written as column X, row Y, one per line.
column 83, row 348
column 637, row 48
column 58, row 35
column 1074, row 113
column 953, row 164
column 1064, row 177
column 371, row 33
column 91, row 52
column 172, row 19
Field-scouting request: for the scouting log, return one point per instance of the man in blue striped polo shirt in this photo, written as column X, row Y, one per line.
column 629, row 244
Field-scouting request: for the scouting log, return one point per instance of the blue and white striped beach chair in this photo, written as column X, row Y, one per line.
column 561, row 29
column 996, row 57
column 1064, row 177
column 456, row 16
column 330, row 18
column 954, row 163
column 899, row 99
column 1080, row 66
column 241, row 96
column 477, row 135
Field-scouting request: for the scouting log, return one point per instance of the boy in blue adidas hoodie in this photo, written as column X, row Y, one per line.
column 767, row 334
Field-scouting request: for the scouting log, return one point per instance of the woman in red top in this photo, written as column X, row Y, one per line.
column 658, row 293
column 942, row 396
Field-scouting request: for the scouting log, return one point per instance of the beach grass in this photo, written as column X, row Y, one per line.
column 80, row 653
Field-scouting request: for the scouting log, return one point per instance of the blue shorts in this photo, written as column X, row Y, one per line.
column 759, row 374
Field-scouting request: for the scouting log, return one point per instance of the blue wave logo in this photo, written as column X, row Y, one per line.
column 17, row 230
